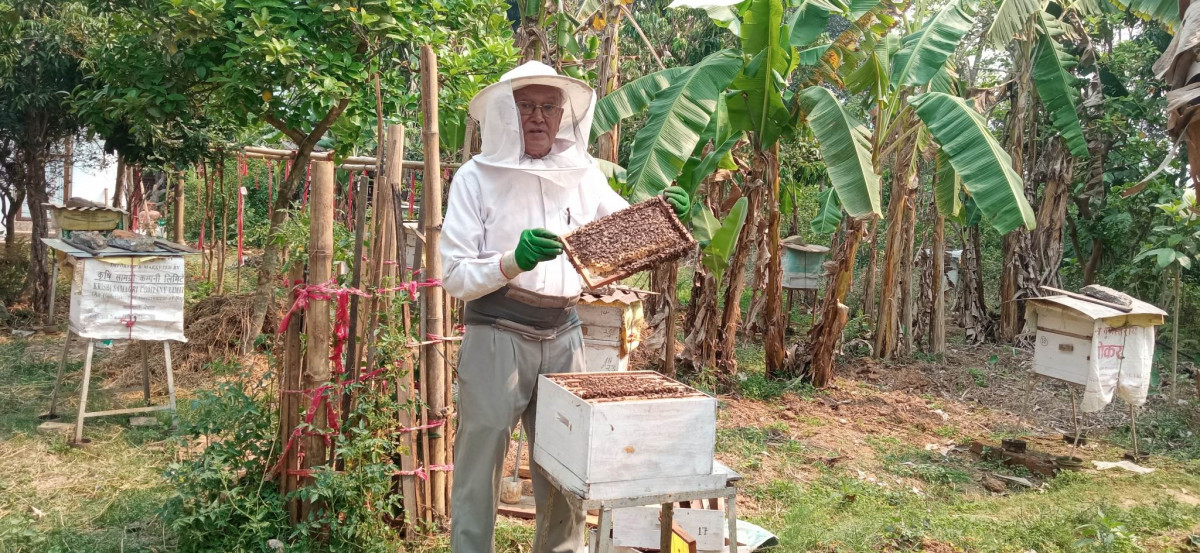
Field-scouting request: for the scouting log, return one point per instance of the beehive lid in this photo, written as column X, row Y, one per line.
column 614, row 294
column 806, row 248
column 1140, row 312
column 608, row 387
column 627, row 242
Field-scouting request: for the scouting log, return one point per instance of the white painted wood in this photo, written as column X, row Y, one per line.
column 604, row 356
column 563, row 426
column 632, row 440
column 603, row 491
column 601, row 314
column 1062, row 357
column 626, row 440
column 598, row 332
column 1053, row 318
column 639, row 526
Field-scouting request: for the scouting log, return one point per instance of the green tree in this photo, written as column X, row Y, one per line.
column 303, row 68
column 39, row 67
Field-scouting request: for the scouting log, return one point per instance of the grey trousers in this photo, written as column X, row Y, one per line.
column 497, row 378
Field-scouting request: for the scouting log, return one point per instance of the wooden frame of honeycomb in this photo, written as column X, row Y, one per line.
column 627, row 242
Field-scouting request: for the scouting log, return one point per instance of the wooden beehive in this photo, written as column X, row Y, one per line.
column 627, row 242
column 1065, row 328
column 616, row 434
column 612, row 328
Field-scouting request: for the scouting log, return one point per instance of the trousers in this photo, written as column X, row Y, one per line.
column 498, row 368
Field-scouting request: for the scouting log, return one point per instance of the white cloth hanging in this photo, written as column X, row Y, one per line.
column 1120, row 360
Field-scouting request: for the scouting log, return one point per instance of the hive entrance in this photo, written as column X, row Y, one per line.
column 619, row 386
column 626, row 242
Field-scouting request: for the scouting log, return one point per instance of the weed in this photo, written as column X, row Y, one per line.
column 1106, row 534
column 946, row 431
column 758, row 387
column 979, row 376
column 927, row 467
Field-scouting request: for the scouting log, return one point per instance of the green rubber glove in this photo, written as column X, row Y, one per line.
column 678, row 198
column 535, row 246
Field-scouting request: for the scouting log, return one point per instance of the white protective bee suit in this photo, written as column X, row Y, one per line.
column 518, row 324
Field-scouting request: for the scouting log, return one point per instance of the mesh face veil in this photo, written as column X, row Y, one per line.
column 502, row 136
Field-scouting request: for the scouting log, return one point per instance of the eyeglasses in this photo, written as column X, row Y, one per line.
column 549, row 111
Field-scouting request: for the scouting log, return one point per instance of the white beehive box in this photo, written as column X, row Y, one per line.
column 641, row 527
column 612, row 328
column 610, row 447
column 1065, row 327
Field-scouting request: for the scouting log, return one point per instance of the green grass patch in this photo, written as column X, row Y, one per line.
column 840, row 513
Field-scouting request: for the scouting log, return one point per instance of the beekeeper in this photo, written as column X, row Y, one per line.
column 533, row 182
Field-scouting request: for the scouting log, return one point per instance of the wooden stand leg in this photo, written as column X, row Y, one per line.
column 666, row 520
column 604, row 532
column 170, row 383
column 53, row 288
column 83, row 391
column 731, row 516
column 62, row 367
column 146, row 372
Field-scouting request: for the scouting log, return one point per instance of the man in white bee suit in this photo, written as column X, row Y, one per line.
column 533, row 181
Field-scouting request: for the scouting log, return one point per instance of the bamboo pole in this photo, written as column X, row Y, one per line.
column 224, row 228
column 179, row 209
column 289, row 400
column 358, row 198
column 320, row 270
column 431, row 212
column 352, row 162
column 207, row 221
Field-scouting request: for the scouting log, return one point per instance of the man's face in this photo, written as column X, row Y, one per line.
column 540, row 107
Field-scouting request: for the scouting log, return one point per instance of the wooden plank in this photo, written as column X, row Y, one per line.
column 640, row 526
column 563, row 425
column 680, row 442
column 126, row 411
column 1062, row 357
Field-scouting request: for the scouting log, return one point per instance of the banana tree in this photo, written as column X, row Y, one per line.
column 912, row 89
column 696, row 115
column 1041, row 67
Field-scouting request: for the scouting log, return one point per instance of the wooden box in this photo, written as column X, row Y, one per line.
column 622, row 434
column 612, row 329
column 1062, row 345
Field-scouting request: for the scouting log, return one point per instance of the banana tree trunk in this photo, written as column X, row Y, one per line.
column 609, row 75
column 823, row 337
column 906, row 278
column 700, row 345
column 774, row 316
column 937, row 315
column 726, row 359
column 973, row 316
column 1052, row 214
column 868, row 304
column 887, row 319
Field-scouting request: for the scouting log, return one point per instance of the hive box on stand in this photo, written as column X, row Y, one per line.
column 601, row 443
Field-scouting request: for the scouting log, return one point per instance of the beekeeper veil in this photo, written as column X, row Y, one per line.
column 503, row 140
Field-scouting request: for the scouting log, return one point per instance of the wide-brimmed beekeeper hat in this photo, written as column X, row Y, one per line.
column 577, row 95
column 503, row 145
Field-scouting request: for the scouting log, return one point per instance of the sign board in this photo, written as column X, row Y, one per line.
column 128, row 298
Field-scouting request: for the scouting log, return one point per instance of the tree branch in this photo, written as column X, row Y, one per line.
column 293, row 134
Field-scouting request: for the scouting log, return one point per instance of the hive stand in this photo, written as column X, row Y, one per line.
column 87, row 376
column 604, row 535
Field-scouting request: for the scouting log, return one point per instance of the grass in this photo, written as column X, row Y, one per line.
column 844, row 513
column 57, row 498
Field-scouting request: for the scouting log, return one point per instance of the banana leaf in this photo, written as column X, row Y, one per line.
column 829, row 213
column 808, row 22
column 631, row 98
column 947, row 191
column 1165, row 12
column 846, row 149
column 1056, row 88
column 677, row 117
column 984, row 167
column 925, row 52
column 722, row 240
column 724, row 13
column 1010, row 19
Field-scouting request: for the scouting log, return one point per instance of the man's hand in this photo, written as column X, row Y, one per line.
column 537, row 245
column 678, row 198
